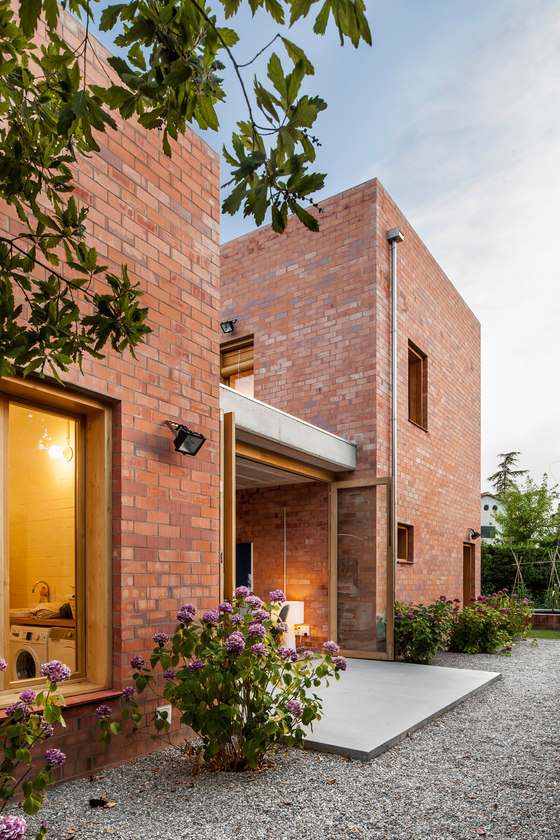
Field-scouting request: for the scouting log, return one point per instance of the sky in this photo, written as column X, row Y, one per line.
column 456, row 109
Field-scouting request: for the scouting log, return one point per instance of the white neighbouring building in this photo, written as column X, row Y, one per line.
column 489, row 506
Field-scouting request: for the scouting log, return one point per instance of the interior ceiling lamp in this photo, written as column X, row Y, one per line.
column 186, row 441
column 474, row 534
column 228, row 326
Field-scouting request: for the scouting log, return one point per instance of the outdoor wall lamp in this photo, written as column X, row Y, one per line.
column 228, row 326
column 186, row 441
column 474, row 534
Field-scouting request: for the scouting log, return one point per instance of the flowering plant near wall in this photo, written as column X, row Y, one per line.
column 490, row 623
column 420, row 631
column 29, row 722
column 232, row 681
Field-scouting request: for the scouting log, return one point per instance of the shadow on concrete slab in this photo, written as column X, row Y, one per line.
column 376, row 704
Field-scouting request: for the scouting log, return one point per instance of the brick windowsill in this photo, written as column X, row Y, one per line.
column 75, row 699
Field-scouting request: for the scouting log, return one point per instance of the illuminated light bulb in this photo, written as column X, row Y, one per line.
column 55, row 451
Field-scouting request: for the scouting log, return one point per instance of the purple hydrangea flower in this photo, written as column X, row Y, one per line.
column 287, row 653
column 253, row 601
column 236, row 642
column 186, row 614
column 525, row 601
column 103, row 712
column 281, row 626
column 48, row 729
column 340, row 663
column 3, row 664
column 137, row 662
column 443, row 598
column 54, row 756
column 225, row 607
column 236, row 619
column 14, row 707
column 211, row 616
column 295, row 707
column 242, row 592
column 12, row 828
column 169, row 674
column 55, row 671
column 257, row 630
column 195, row 665
column 128, row 692
column 161, row 639
column 260, row 615
column 331, row 647
column 307, row 654
column 410, row 615
column 277, row 596
column 259, row 649
column 27, row 696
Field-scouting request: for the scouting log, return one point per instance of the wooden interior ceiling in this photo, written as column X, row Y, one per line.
column 252, row 474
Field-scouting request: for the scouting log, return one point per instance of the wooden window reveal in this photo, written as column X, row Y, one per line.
column 42, row 429
column 417, row 391
column 405, row 543
column 237, row 365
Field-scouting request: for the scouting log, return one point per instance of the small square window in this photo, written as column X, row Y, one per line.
column 405, row 543
column 417, row 386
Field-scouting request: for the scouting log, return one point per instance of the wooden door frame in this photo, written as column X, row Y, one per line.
column 332, row 566
column 469, row 567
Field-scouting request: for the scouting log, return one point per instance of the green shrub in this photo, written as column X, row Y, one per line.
column 498, row 569
column 490, row 624
column 233, row 682
column 421, row 631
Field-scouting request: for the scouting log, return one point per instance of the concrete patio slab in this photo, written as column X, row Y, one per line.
column 376, row 704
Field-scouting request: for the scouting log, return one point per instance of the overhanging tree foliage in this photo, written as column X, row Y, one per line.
column 58, row 303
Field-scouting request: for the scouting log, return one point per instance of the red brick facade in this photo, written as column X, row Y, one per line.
column 161, row 217
column 319, row 308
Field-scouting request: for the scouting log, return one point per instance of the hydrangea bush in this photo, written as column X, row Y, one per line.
column 29, row 722
column 491, row 623
column 233, row 682
column 421, row 631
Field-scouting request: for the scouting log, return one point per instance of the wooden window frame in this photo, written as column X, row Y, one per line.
column 405, row 533
column 94, row 551
column 236, row 357
column 417, row 387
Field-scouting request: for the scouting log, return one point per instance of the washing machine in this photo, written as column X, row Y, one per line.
column 62, row 646
column 28, row 651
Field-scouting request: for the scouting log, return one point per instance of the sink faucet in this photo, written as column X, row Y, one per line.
column 44, row 592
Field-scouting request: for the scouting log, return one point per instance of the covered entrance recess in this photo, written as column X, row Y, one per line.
column 288, row 522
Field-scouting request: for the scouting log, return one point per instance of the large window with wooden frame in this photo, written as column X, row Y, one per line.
column 405, row 543
column 237, row 365
column 417, row 386
column 56, row 539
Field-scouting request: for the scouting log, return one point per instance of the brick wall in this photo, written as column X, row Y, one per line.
column 319, row 308
column 160, row 216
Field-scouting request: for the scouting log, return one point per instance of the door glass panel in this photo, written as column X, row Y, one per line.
column 42, row 530
column 362, row 568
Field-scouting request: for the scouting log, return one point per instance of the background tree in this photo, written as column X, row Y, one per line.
column 505, row 472
column 57, row 302
column 527, row 514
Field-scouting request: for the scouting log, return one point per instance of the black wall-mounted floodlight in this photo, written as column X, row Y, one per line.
column 474, row 534
column 186, row 441
column 228, row 326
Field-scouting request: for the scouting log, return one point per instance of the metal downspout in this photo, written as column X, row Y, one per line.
column 394, row 235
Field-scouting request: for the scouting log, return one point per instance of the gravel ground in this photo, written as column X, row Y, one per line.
column 489, row 767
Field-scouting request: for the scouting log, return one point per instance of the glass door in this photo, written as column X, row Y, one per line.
column 361, row 568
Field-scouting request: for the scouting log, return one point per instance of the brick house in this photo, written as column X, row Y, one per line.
column 116, row 523
column 312, row 338
column 135, row 529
